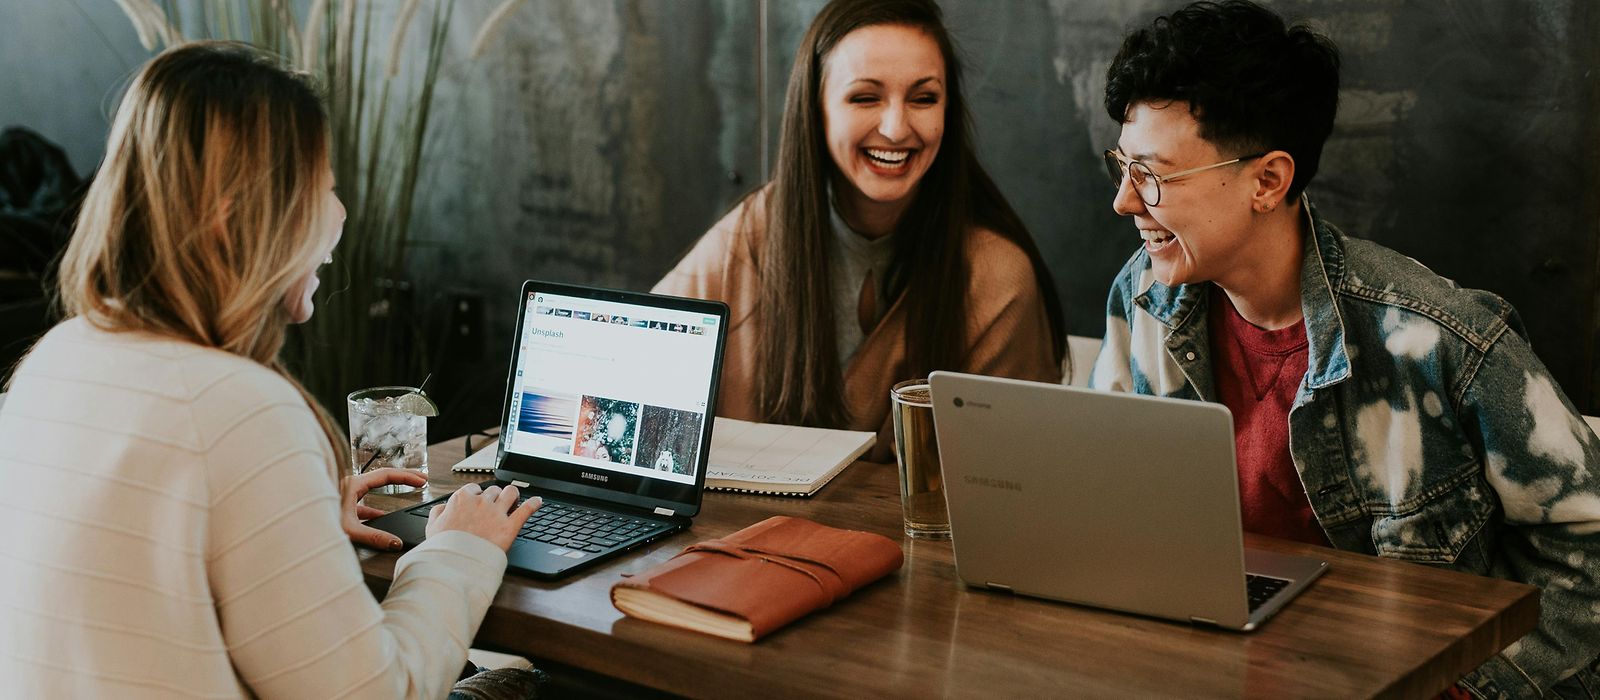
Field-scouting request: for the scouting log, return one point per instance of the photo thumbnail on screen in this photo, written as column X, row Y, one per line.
column 549, row 422
column 669, row 439
column 606, row 430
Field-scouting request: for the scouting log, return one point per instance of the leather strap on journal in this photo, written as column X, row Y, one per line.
column 773, row 572
column 825, row 576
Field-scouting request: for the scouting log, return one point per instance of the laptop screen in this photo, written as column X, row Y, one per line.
column 613, row 390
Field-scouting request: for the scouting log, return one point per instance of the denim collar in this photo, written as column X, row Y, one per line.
column 1182, row 309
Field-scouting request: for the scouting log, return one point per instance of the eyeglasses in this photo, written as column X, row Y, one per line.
column 1148, row 184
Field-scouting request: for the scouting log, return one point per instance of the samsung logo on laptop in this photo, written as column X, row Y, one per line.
column 594, row 477
column 960, row 402
column 993, row 483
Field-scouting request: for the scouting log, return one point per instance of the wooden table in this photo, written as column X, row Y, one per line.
column 1369, row 627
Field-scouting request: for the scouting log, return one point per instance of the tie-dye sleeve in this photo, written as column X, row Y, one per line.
column 1543, row 462
column 1112, row 367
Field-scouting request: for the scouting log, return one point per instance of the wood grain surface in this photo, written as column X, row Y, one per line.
column 1368, row 628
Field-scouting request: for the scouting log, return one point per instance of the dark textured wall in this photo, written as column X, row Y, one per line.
column 1466, row 139
column 593, row 143
column 596, row 139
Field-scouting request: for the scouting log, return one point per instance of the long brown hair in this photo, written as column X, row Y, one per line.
column 202, row 217
column 799, row 378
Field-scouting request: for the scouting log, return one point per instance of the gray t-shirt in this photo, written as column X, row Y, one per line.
column 849, row 260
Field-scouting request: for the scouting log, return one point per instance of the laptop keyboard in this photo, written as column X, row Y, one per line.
column 574, row 528
column 1262, row 588
column 584, row 529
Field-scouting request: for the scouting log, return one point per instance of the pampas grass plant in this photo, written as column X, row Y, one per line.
column 364, row 332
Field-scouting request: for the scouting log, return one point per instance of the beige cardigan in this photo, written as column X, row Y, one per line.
column 1007, row 330
column 172, row 531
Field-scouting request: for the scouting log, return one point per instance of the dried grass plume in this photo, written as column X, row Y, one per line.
column 491, row 27
column 150, row 22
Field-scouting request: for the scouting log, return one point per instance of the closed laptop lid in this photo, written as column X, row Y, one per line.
column 610, row 395
column 1113, row 500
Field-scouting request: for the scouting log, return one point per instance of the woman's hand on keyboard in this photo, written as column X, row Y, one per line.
column 491, row 513
column 353, row 513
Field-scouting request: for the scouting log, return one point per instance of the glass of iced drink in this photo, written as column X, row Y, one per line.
column 389, row 428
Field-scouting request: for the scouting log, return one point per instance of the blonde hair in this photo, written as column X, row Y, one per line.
column 202, row 217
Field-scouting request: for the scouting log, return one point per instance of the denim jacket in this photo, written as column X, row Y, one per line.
column 1425, row 429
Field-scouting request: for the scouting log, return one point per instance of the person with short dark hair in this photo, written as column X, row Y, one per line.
column 1377, row 407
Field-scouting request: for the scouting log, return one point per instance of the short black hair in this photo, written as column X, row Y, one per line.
column 1252, row 83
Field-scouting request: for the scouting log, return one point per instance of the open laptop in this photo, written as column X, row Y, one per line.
column 1113, row 500
column 607, row 417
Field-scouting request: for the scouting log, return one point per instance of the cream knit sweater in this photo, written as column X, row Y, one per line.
column 171, row 531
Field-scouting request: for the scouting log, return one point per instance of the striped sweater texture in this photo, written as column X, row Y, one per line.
column 172, row 531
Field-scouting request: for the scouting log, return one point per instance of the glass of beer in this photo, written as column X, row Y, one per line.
column 917, row 453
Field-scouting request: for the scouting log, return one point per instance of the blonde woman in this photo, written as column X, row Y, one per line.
column 174, row 524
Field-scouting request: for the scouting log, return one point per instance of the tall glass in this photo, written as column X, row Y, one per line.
column 917, row 452
column 383, row 434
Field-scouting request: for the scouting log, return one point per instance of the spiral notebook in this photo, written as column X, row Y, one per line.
column 480, row 461
column 781, row 460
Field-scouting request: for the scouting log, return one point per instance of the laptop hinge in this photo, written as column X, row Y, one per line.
column 1203, row 621
column 520, row 484
column 664, row 511
column 998, row 586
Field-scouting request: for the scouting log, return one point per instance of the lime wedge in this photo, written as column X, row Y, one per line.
column 417, row 403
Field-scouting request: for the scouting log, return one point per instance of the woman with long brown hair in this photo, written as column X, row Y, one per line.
column 880, row 250
column 173, row 516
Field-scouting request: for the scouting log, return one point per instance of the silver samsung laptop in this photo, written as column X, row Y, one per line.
column 1112, row 500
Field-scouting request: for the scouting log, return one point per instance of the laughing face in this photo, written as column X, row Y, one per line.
column 1200, row 230
column 883, row 102
column 329, row 228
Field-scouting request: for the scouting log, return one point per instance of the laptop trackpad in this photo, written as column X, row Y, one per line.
column 1293, row 567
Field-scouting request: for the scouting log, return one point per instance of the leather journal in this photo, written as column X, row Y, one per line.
column 758, row 579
